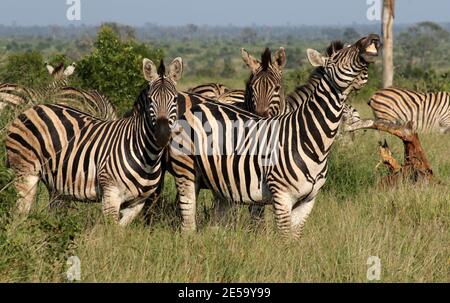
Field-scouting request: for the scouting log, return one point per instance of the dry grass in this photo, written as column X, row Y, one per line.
column 407, row 227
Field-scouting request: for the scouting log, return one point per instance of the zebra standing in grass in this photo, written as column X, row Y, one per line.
column 81, row 157
column 263, row 96
column 291, row 166
column 429, row 112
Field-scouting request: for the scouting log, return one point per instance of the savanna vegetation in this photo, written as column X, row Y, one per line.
column 406, row 226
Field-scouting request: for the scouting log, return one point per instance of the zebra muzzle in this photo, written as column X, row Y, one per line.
column 162, row 132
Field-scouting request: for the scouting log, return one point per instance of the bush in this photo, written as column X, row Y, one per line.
column 114, row 67
column 26, row 68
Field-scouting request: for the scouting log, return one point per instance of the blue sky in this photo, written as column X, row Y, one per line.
column 213, row 12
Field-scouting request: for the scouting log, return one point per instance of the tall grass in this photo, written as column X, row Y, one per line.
column 407, row 227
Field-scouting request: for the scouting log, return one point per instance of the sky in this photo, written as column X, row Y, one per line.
column 217, row 12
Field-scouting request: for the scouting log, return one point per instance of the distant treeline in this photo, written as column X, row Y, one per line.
column 199, row 32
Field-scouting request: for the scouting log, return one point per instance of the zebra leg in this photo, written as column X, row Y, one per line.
column 300, row 213
column 26, row 187
column 129, row 213
column 111, row 204
column 282, row 204
column 187, row 202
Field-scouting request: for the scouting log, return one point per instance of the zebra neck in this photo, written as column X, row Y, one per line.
column 143, row 142
column 305, row 91
column 319, row 118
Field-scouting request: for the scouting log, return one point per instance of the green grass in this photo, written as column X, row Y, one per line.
column 407, row 227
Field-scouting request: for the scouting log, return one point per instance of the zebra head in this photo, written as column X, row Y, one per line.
column 264, row 92
column 162, row 97
column 347, row 66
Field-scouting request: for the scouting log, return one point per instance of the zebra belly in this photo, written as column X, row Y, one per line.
column 234, row 178
column 84, row 186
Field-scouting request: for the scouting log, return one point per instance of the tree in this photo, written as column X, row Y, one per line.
column 228, row 69
column 423, row 44
column 26, row 68
column 248, row 35
column 388, row 41
column 115, row 67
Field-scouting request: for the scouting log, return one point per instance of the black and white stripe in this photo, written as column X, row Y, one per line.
column 263, row 94
column 429, row 112
column 291, row 165
column 209, row 90
column 81, row 157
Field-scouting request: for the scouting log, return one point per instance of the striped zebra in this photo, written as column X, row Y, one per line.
column 233, row 96
column 303, row 92
column 209, row 90
column 60, row 74
column 80, row 157
column 281, row 160
column 89, row 101
column 16, row 94
column 263, row 94
column 429, row 112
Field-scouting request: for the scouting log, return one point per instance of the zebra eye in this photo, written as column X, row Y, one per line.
column 277, row 88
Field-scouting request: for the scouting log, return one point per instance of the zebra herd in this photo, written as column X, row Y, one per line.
column 251, row 146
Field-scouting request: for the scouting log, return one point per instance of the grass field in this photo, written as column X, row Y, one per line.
column 407, row 227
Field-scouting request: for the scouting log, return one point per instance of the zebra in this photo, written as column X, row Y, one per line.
column 264, row 92
column 303, row 92
column 17, row 94
column 89, row 101
column 291, row 164
column 233, row 96
column 429, row 112
column 58, row 91
column 60, row 74
column 209, row 90
column 81, row 157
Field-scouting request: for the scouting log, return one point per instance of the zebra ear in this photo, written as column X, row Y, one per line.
column 69, row 70
column 315, row 58
column 149, row 69
column 176, row 69
column 251, row 61
column 50, row 68
column 280, row 58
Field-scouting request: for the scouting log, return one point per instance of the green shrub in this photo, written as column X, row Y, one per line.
column 114, row 67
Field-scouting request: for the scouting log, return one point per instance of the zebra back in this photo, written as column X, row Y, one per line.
column 209, row 90
column 428, row 112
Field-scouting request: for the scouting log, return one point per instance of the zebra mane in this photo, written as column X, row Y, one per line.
column 334, row 47
column 266, row 59
column 140, row 103
column 58, row 68
column 161, row 69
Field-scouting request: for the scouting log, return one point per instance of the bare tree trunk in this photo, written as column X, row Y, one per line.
column 415, row 167
column 388, row 42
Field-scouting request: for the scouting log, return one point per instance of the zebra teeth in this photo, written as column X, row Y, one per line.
column 372, row 49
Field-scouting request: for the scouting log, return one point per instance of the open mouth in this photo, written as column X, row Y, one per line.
column 372, row 50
